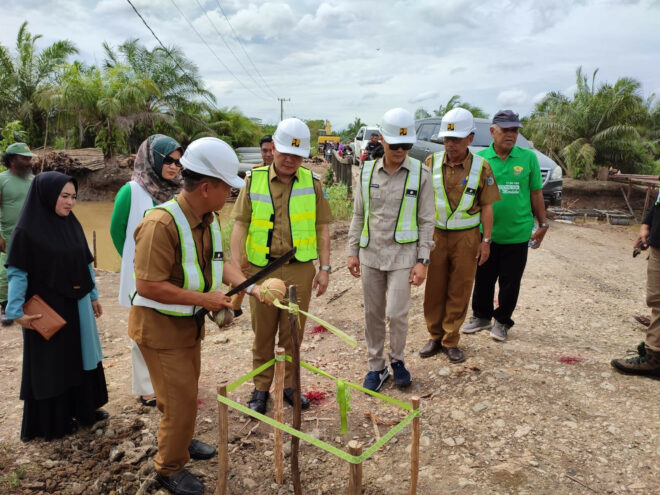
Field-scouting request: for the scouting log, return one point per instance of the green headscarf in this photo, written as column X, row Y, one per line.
column 162, row 146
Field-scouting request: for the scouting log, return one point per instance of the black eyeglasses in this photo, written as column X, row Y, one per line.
column 168, row 160
column 401, row 146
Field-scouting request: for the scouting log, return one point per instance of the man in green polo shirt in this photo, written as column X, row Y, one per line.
column 518, row 177
column 14, row 185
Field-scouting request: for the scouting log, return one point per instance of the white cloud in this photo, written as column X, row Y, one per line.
column 512, row 97
column 267, row 20
column 423, row 96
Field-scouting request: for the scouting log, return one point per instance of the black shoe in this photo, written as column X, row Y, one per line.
column 200, row 450
column 401, row 375
column 258, row 401
column 100, row 415
column 288, row 397
column 431, row 348
column 181, row 483
column 238, row 312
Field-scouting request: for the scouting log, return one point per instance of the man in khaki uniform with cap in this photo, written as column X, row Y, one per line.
column 178, row 270
column 465, row 191
column 283, row 205
column 389, row 242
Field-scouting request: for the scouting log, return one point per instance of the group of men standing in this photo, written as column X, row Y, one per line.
column 443, row 221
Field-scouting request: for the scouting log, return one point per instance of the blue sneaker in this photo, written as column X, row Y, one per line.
column 401, row 374
column 375, row 379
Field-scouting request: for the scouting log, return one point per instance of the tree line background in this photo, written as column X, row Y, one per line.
column 48, row 99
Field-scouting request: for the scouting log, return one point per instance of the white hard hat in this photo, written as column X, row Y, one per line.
column 457, row 122
column 214, row 158
column 398, row 126
column 292, row 137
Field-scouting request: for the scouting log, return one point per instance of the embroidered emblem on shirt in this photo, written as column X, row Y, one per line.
column 517, row 170
column 463, row 182
column 490, row 181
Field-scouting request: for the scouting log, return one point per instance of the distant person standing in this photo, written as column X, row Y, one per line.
column 14, row 185
column 519, row 180
column 266, row 147
column 155, row 180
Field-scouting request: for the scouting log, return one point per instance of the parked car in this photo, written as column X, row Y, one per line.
column 361, row 140
column 428, row 142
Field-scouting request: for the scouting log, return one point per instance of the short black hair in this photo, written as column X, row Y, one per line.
column 192, row 180
column 266, row 139
column 374, row 134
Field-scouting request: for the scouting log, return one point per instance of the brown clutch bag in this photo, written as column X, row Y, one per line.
column 49, row 323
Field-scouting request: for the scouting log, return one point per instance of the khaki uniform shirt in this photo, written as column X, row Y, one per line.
column 280, row 193
column 455, row 180
column 383, row 252
column 158, row 259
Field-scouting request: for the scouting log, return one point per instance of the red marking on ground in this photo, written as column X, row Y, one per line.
column 319, row 329
column 199, row 403
column 570, row 359
column 315, row 395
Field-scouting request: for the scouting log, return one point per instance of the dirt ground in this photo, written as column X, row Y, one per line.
column 515, row 418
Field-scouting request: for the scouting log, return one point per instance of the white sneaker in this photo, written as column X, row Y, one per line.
column 476, row 325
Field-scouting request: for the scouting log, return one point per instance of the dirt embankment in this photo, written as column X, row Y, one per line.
column 543, row 413
column 603, row 195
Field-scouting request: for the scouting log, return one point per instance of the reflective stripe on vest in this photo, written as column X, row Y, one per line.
column 459, row 219
column 302, row 217
column 406, row 230
column 193, row 276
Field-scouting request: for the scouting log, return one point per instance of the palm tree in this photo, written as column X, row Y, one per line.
column 454, row 102
column 597, row 127
column 25, row 75
column 421, row 113
column 233, row 127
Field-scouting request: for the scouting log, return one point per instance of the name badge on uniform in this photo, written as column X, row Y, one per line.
column 470, row 191
column 375, row 186
column 218, row 256
column 411, row 192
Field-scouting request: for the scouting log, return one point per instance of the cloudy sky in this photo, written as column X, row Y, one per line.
column 342, row 59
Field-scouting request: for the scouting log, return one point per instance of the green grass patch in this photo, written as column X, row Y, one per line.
column 340, row 205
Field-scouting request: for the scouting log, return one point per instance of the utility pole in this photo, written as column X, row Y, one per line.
column 282, row 100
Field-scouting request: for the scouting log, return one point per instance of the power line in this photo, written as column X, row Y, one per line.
column 243, row 48
column 169, row 54
column 213, row 52
column 226, row 44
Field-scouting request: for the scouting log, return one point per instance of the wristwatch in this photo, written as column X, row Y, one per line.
column 486, row 240
column 327, row 268
column 423, row 261
column 249, row 289
column 544, row 225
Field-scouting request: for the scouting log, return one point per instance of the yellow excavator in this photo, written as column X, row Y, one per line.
column 325, row 135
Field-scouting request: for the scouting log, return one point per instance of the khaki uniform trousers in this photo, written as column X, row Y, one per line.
column 653, row 299
column 386, row 293
column 449, row 283
column 174, row 375
column 266, row 321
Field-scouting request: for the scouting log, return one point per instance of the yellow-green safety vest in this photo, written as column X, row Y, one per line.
column 458, row 219
column 302, row 217
column 193, row 276
column 406, row 230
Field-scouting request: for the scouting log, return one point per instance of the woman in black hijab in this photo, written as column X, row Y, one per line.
column 63, row 383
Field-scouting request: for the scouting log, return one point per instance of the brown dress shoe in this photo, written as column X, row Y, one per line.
column 454, row 354
column 431, row 348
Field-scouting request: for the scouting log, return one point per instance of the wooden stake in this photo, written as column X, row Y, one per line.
column 414, row 449
column 354, row 470
column 94, row 247
column 223, row 444
column 278, row 453
column 297, row 407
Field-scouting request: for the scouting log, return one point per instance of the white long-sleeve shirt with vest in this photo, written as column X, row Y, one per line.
column 386, row 193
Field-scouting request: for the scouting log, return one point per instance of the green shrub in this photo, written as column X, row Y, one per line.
column 340, row 206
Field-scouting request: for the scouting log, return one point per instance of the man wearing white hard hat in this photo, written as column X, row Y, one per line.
column 282, row 205
column 465, row 191
column 389, row 243
column 179, row 271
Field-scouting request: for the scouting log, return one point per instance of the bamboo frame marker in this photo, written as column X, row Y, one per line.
column 354, row 470
column 297, row 406
column 278, row 412
column 414, row 448
column 223, row 444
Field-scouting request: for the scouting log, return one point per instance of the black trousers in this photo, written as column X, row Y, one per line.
column 505, row 265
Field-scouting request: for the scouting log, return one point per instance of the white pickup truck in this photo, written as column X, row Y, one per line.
column 361, row 140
